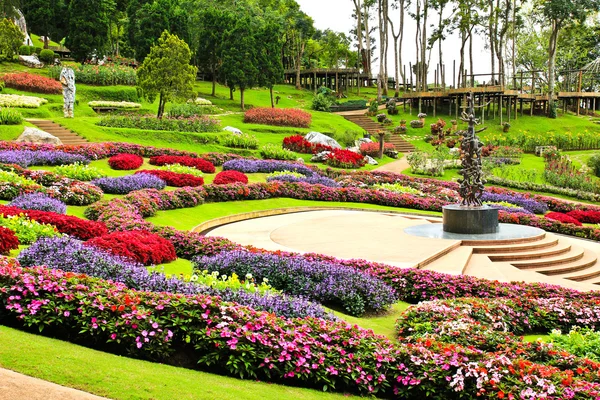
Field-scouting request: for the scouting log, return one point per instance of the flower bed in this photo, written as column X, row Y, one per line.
column 174, row 179
column 104, row 75
column 331, row 285
column 129, row 183
column 114, row 104
column 125, row 161
column 266, row 166
column 181, row 169
column 564, row 218
column 517, row 199
column 32, row 83
column 587, row 216
column 69, row 191
column 298, row 144
column 313, row 180
column 40, row 202
column 27, row 158
column 8, row 241
column 79, row 171
column 278, row 117
column 198, row 123
column 372, row 149
column 26, row 230
column 227, row 177
column 140, row 246
column 16, row 100
column 345, row 159
column 198, row 163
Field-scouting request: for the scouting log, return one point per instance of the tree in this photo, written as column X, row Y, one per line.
column 167, row 72
column 88, row 28
column 269, row 62
column 8, row 8
column 11, row 38
column 560, row 13
column 46, row 18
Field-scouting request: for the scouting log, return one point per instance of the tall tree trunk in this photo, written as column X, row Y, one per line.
column 401, row 29
column 367, row 38
column 161, row 107
column 492, row 37
column 552, row 62
column 242, row 98
column 231, row 93
column 441, row 58
column 214, row 81
column 418, row 52
column 463, row 42
column 396, row 58
column 424, row 45
column 299, row 53
column 359, row 27
column 471, row 53
column 271, row 93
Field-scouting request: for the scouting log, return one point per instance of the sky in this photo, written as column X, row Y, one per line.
column 337, row 15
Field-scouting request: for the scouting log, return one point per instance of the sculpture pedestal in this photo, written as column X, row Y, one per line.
column 470, row 220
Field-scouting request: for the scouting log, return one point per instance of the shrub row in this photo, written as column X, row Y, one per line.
column 27, row 158
column 198, row 163
column 192, row 124
column 227, row 177
column 31, row 83
column 103, row 75
column 174, row 179
column 16, row 100
column 125, row 161
column 129, row 183
column 40, row 202
column 278, row 116
column 140, row 246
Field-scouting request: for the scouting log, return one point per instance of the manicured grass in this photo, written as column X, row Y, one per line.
column 125, row 378
column 380, row 324
column 534, row 337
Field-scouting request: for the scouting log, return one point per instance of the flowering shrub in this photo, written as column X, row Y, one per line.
column 561, row 172
column 129, row 183
column 28, row 231
column 201, row 101
column 143, row 247
column 13, row 185
column 266, row 166
column 16, row 100
column 273, row 152
column 174, row 179
column 355, row 292
column 125, row 161
column 567, row 219
column 27, row 158
column 314, row 180
column 71, row 255
column 372, row 148
column 114, row 104
column 198, row 123
column 67, row 224
column 103, row 75
column 8, row 240
column 298, row 144
column 32, row 83
column 587, row 216
column 181, row 169
column 345, row 159
column 79, row 171
column 69, row 191
column 243, row 141
column 198, row 163
column 39, row 201
column 517, row 199
column 278, row 116
column 227, row 177
column 217, row 159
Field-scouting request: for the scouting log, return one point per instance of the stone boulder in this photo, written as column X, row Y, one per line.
column 33, row 135
column 319, row 138
column 320, row 157
column 31, row 61
column 371, row 160
column 360, row 141
column 233, row 130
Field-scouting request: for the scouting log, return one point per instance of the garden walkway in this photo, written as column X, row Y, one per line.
column 65, row 135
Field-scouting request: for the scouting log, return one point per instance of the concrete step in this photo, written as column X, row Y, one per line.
column 555, row 250
column 65, row 135
column 587, row 269
column 548, row 241
column 453, row 263
column 544, row 264
column 502, row 242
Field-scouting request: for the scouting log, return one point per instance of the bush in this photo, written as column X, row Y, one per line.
column 391, row 107
column 24, row 50
column 586, row 216
column 278, row 117
column 322, row 102
column 8, row 116
column 564, row 218
column 227, row 177
column 243, row 141
column 114, row 104
column 36, row 50
column 28, row 231
column 339, row 286
column 193, row 124
column 15, row 100
column 101, row 75
column 40, row 202
column 129, row 183
column 79, row 171
column 140, row 246
column 372, row 148
column 201, row 101
column 273, row 152
column 8, row 241
column 417, row 124
column 298, row 144
column 174, row 179
column 594, row 164
column 295, row 177
column 32, row 83
column 345, row 159
column 188, row 110
column 198, row 163
column 110, row 93
column 27, row 158
column 125, row 162
column 46, row 56
column 181, row 169
column 267, row 166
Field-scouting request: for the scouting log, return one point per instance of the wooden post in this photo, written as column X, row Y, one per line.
column 454, row 74
column 500, row 113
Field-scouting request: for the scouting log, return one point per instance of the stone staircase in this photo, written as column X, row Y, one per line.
column 65, row 135
column 545, row 258
column 372, row 127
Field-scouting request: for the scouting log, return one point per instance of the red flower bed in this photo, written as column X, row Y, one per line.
column 8, row 240
column 230, row 176
column 298, row 144
column 278, row 116
column 345, row 159
column 32, row 83
column 68, row 224
column 125, row 161
column 174, row 179
column 567, row 219
column 198, row 163
column 144, row 247
column 372, row 149
column 587, row 216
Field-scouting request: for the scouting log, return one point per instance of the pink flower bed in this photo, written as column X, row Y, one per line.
column 32, row 83
column 198, row 163
column 278, row 117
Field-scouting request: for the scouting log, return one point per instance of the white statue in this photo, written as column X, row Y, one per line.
column 67, row 79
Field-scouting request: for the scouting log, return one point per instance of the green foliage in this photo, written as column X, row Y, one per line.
column 88, row 28
column 243, row 141
column 196, row 124
column 109, row 93
column 181, row 169
column 27, row 231
column 167, row 72
column 582, row 342
column 9, row 116
column 232, row 282
column 79, row 171
column 103, row 75
column 47, row 56
column 13, row 178
column 24, row 50
column 322, row 102
column 274, row 152
column 594, row 164
column 187, row 110
column 47, row 18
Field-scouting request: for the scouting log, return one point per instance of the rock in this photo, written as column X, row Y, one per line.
column 391, row 153
column 300, row 160
column 371, row 160
column 320, row 157
column 31, row 61
column 233, row 130
column 354, row 149
column 319, row 138
column 360, row 141
column 33, row 135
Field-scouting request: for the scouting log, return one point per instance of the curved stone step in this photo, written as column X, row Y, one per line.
column 549, row 251
column 588, row 269
column 541, row 243
column 550, row 264
column 501, row 242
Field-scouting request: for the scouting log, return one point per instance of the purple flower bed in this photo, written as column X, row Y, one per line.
column 266, row 166
column 314, row 180
column 528, row 204
column 26, row 158
column 327, row 283
column 69, row 254
column 510, row 209
column 39, row 201
column 129, row 183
